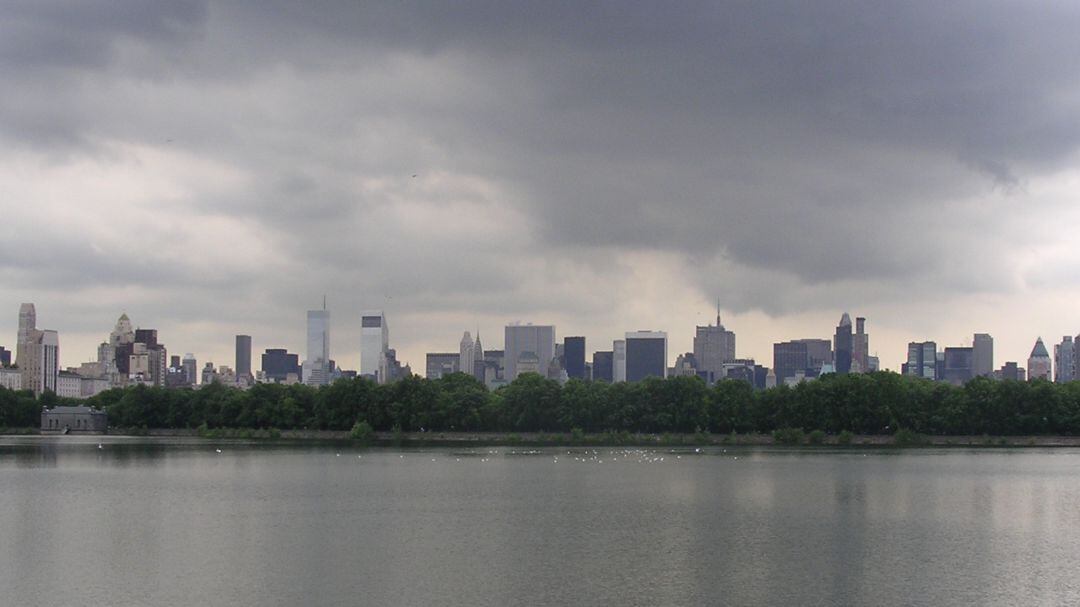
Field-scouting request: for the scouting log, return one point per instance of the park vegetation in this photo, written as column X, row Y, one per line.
column 835, row 405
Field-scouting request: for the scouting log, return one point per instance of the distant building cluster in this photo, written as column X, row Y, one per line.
column 134, row 356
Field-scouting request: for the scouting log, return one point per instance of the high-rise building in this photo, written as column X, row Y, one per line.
column 191, row 369
column 480, row 363
column 618, row 360
column 1038, row 366
column 5, row 357
column 842, row 345
column 441, row 363
column 374, row 344
column 921, row 360
column 536, row 340
column 713, row 346
column 860, row 347
column 316, row 368
column 278, row 364
column 646, row 355
column 37, row 353
column 574, row 357
column 1064, row 360
column 602, row 369
column 243, row 358
column 1011, row 371
column 467, row 354
column 983, row 363
column 959, row 365
column 805, row 357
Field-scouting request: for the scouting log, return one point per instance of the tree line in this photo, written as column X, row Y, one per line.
column 872, row 403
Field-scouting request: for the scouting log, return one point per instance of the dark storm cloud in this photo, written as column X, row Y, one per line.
column 785, row 146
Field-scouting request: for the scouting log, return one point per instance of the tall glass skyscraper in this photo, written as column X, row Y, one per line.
column 317, row 364
column 374, row 343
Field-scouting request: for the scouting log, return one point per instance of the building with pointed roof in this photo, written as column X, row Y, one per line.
column 1038, row 366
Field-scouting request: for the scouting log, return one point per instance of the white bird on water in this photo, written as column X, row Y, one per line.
column 218, row 450
column 99, row 446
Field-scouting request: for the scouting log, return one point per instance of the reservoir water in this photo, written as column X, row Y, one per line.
column 196, row 522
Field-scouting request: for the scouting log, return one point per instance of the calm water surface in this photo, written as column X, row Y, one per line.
column 175, row 522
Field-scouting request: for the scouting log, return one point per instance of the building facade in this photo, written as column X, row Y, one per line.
column 574, row 357
column 243, row 359
column 713, row 346
column 1064, row 360
column 843, row 345
column 646, row 355
column 1038, row 366
column 602, row 369
column 983, row 362
column 316, row 367
column 73, row 420
column 536, row 340
column 374, row 344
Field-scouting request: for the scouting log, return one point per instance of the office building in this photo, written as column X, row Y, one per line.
column 1011, row 371
column 537, row 340
column 921, row 360
column 191, row 369
column 5, row 357
column 37, row 353
column 646, row 355
column 574, row 357
column 843, row 345
column 278, row 365
column 467, row 354
column 374, row 344
column 959, row 365
column 860, row 347
column 1038, row 366
column 602, row 366
column 805, row 357
column 316, row 367
column 983, row 363
column 441, row 363
column 618, row 360
column 1064, row 360
column 243, row 358
column 713, row 346
column 10, row 378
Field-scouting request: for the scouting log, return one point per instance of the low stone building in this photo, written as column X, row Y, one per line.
column 74, row 420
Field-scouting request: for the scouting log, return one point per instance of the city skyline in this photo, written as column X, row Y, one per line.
column 601, row 169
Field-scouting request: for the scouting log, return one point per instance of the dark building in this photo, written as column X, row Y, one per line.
column 603, row 366
column 277, row 364
column 574, row 357
column 441, row 363
column 1012, row 372
column 959, row 365
column 789, row 357
column 243, row 356
column 646, row 355
column 843, row 345
column 5, row 357
column 921, row 360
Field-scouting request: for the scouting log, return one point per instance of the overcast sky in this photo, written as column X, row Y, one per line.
column 215, row 168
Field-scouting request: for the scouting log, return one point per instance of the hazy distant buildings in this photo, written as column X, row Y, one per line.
column 37, row 353
column 983, row 355
column 533, row 344
column 921, row 360
column 574, row 357
column 842, row 345
column 278, row 366
column 805, row 357
column 1038, row 366
column 374, row 344
column 646, row 355
column 618, row 360
column 1011, row 371
column 1065, row 360
column 10, row 378
column 316, row 367
column 243, row 359
column 959, row 365
column 467, row 354
column 713, row 346
column 860, row 347
column 191, row 369
column 5, row 357
column 602, row 366
column 441, row 363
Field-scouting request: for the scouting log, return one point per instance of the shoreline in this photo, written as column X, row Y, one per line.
column 583, row 440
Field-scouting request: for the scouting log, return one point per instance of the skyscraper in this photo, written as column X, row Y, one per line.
column 278, row 364
column 713, row 346
column 983, row 346
column 618, row 360
column 921, row 360
column 316, row 369
column 37, row 353
column 466, row 354
column 536, row 340
column 5, row 357
column 574, row 357
column 191, row 369
column 374, row 344
column 860, row 347
column 1064, row 368
column 602, row 369
column 959, row 365
column 646, row 355
column 842, row 345
column 243, row 358
column 1038, row 366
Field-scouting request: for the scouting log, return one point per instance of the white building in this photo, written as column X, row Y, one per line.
column 537, row 340
column 1039, row 362
column 37, row 353
column 68, row 385
column 374, row 343
column 11, row 379
column 316, row 367
column 467, row 354
column 618, row 360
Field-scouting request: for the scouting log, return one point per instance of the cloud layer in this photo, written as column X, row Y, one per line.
column 214, row 168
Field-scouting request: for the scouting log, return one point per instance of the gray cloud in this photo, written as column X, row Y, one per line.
column 794, row 154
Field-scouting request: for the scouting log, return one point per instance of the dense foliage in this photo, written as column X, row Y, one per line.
column 874, row 403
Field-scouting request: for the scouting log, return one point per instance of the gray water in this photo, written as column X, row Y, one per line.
column 174, row 522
